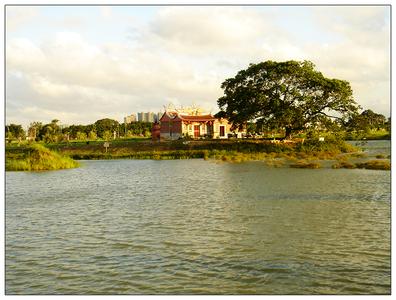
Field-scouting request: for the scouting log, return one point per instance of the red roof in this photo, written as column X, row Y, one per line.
column 197, row 118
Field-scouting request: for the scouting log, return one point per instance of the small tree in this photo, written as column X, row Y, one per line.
column 92, row 135
column 34, row 130
column 81, row 136
column 104, row 125
column 14, row 132
column 107, row 135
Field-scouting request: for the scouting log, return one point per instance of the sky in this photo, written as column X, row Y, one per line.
column 79, row 64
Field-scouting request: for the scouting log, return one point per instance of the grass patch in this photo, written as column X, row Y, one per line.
column 357, row 155
column 222, row 150
column 375, row 165
column 302, row 164
column 344, row 165
column 39, row 158
column 276, row 163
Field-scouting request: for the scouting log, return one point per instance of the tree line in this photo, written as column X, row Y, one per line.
column 105, row 129
column 358, row 125
column 290, row 97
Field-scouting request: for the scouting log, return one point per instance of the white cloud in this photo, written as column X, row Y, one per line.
column 183, row 55
column 17, row 16
column 106, row 12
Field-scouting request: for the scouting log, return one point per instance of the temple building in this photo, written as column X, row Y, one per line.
column 178, row 124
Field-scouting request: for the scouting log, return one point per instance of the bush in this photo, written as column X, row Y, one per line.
column 331, row 145
column 38, row 158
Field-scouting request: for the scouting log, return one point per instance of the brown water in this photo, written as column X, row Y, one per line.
column 197, row 227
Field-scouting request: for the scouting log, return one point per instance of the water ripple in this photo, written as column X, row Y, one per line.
column 157, row 227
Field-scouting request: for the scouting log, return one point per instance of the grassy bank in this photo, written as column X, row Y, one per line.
column 237, row 150
column 223, row 149
column 298, row 155
column 37, row 158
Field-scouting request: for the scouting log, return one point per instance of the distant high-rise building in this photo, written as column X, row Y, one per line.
column 151, row 117
column 130, row 119
column 148, row 116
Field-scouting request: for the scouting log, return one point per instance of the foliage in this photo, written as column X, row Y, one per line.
column 81, row 136
column 367, row 120
column 72, row 131
column 53, row 132
column 107, row 135
column 331, row 143
column 14, row 132
column 34, row 129
column 290, row 95
column 50, row 132
column 104, row 125
column 137, row 128
column 92, row 135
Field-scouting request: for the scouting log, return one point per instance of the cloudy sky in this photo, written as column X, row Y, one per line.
column 79, row 64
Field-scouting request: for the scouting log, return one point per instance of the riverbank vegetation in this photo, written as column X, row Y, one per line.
column 37, row 158
column 292, row 112
column 371, row 165
column 310, row 153
column 307, row 154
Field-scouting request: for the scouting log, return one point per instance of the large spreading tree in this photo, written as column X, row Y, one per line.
column 291, row 95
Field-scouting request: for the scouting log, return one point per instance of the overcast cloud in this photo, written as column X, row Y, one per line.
column 80, row 66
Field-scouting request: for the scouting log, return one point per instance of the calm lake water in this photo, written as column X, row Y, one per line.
column 197, row 227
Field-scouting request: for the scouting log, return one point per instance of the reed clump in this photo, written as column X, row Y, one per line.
column 358, row 155
column 39, row 158
column 276, row 163
column 344, row 165
column 303, row 164
column 375, row 165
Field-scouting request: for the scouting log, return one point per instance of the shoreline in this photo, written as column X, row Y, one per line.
column 308, row 154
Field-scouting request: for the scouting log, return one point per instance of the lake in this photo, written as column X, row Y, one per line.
column 198, row 227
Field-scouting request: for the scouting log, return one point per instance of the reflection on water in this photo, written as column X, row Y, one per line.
column 197, row 227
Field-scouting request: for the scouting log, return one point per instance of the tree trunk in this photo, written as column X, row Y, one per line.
column 288, row 133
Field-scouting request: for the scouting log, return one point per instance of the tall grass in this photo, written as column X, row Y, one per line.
column 274, row 154
column 38, row 158
column 370, row 165
column 302, row 164
column 375, row 165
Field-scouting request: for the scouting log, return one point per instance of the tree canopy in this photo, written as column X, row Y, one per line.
column 366, row 121
column 290, row 95
column 14, row 131
column 106, row 125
